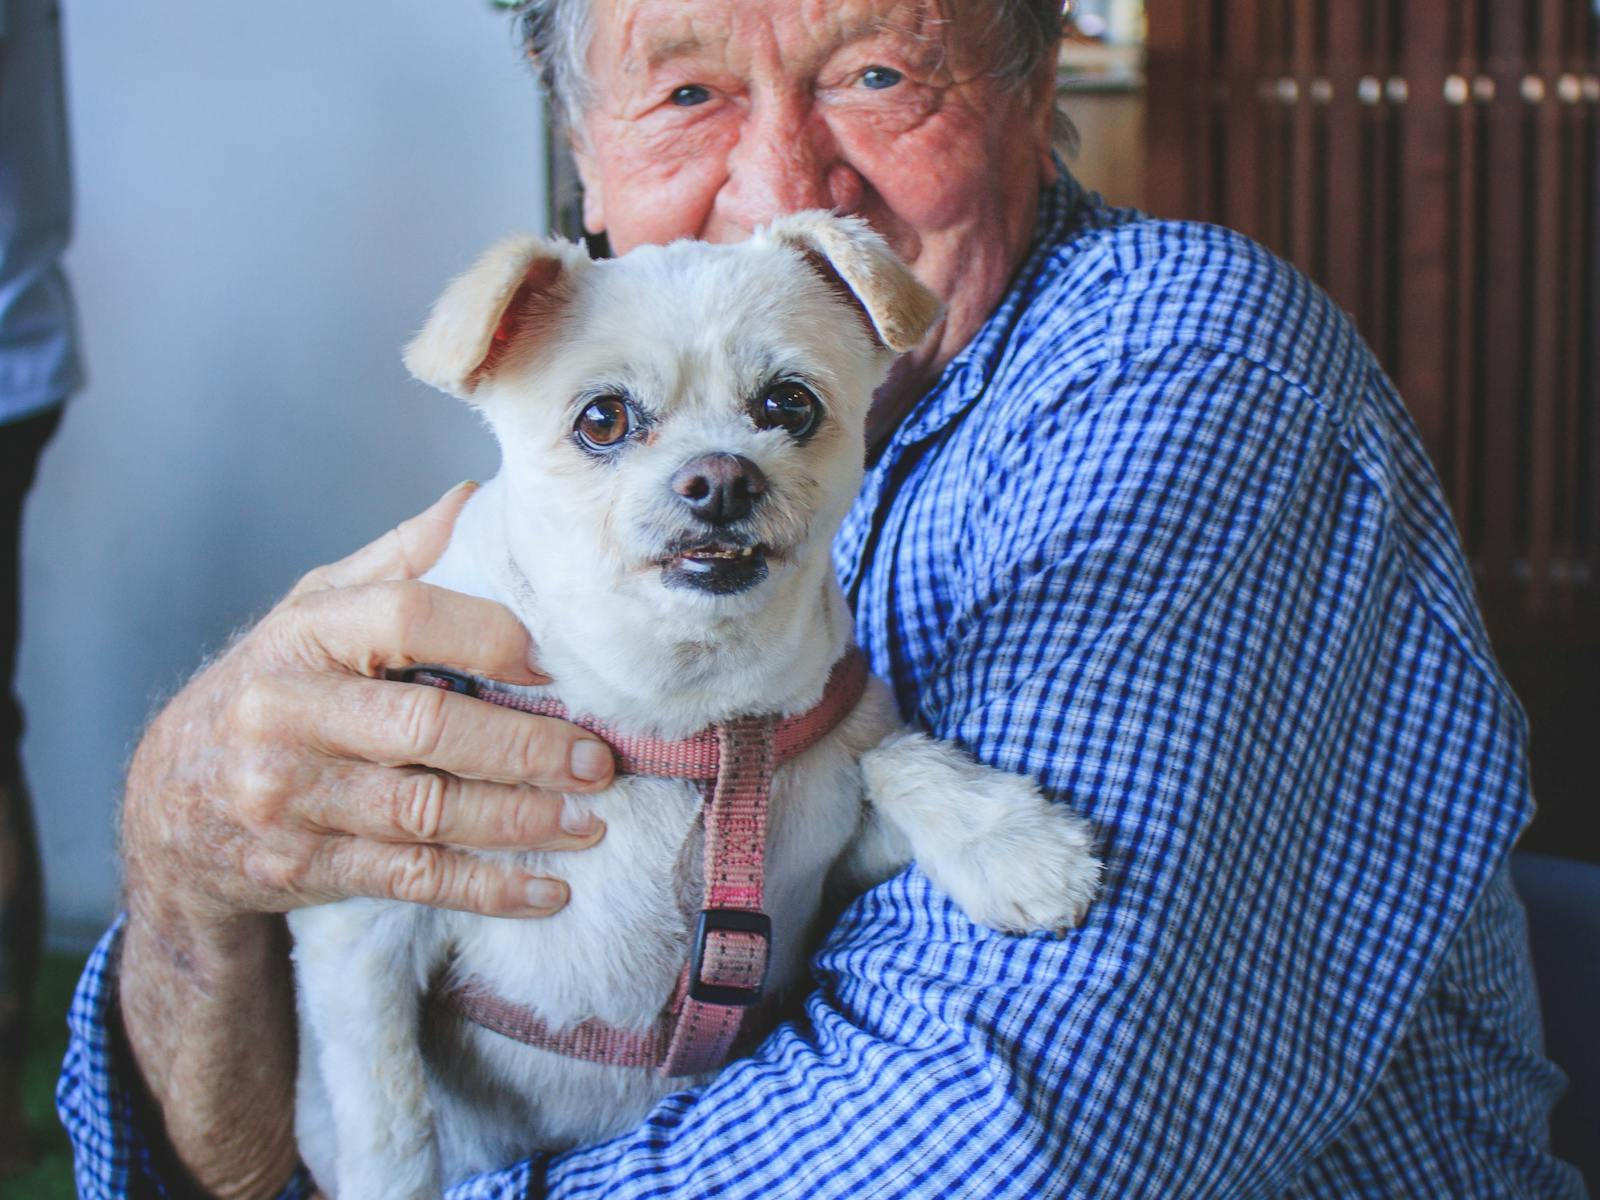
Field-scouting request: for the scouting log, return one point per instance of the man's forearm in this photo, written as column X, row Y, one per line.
column 267, row 785
column 208, row 1011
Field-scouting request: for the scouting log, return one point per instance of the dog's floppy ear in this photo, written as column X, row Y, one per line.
column 507, row 295
column 899, row 309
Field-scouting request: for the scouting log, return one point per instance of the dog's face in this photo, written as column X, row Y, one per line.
column 683, row 424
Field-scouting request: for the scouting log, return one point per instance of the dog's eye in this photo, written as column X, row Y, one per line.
column 790, row 407
column 604, row 422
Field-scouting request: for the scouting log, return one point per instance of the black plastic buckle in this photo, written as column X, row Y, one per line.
column 728, row 920
column 450, row 681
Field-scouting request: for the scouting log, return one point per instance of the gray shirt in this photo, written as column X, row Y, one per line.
column 38, row 344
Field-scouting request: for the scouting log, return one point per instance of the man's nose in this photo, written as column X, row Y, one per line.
column 786, row 160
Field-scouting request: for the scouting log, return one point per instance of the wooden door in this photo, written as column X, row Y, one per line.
column 1435, row 165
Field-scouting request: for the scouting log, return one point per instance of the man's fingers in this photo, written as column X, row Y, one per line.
column 387, row 626
column 405, row 724
column 416, row 805
column 405, row 552
column 439, row 878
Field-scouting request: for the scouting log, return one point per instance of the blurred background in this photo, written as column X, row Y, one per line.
column 268, row 200
column 270, row 196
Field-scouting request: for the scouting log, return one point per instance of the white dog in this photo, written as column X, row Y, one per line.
column 682, row 433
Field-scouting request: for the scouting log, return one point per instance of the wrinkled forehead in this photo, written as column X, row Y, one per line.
column 792, row 36
column 688, row 320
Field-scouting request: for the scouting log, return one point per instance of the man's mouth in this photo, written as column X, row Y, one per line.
column 720, row 568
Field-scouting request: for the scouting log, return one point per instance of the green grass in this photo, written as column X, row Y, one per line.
column 51, row 1176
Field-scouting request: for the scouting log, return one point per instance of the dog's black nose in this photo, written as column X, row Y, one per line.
column 720, row 488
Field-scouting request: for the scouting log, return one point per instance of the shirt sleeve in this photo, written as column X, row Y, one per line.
column 118, row 1147
column 119, row 1150
column 1222, row 617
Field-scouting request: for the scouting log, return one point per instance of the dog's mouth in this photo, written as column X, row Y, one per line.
column 719, row 568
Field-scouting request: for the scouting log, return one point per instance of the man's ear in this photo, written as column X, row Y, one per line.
column 594, row 196
column 859, row 262
column 1049, row 121
column 514, row 290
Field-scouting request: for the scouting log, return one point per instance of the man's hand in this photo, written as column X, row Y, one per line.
column 290, row 772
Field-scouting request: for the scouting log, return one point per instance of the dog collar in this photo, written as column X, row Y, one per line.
column 732, row 763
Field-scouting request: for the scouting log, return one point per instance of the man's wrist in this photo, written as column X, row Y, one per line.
column 206, row 1009
column 198, row 940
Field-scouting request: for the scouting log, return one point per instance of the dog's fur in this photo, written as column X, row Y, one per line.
column 580, row 548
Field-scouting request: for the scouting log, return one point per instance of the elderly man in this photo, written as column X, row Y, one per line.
column 1143, row 520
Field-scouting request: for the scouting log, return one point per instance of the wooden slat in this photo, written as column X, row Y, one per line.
column 1276, row 172
column 1466, row 384
column 1543, row 378
column 1244, row 181
column 1574, row 187
column 1211, row 103
column 1591, row 365
column 1305, row 158
column 1424, row 212
column 1344, row 242
column 1379, row 170
column 1505, row 169
column 1176, row 141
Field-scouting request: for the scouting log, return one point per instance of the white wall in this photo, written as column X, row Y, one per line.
column 269, row 197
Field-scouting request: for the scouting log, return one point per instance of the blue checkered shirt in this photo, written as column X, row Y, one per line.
column 1163, row 538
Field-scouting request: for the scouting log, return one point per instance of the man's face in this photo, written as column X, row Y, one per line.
column 712, row 117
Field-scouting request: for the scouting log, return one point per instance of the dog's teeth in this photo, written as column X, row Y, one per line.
column 726, row 555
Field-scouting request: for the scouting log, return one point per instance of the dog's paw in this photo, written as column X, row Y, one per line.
column 1035, row 871
column 1008, row 857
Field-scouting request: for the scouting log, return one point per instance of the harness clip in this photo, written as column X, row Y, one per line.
column 729, row 920
column 448, row 681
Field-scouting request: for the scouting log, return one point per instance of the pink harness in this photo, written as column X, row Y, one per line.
column 727, row 969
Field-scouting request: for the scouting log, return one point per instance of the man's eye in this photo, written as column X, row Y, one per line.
column 690, row 94
column 878, row 78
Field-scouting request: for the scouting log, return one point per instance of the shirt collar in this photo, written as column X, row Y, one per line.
column 1061, row 207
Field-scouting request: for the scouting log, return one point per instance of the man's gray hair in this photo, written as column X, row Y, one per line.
column 556, row 35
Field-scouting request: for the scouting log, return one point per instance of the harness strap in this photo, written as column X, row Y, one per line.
column 733, row 765
column 733, row 938
column 590, row 1040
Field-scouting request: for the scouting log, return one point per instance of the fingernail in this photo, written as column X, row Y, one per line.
column 548, row 894
column 466, row 485
column 534, row 668
column 589, row 760
column 578, row 822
